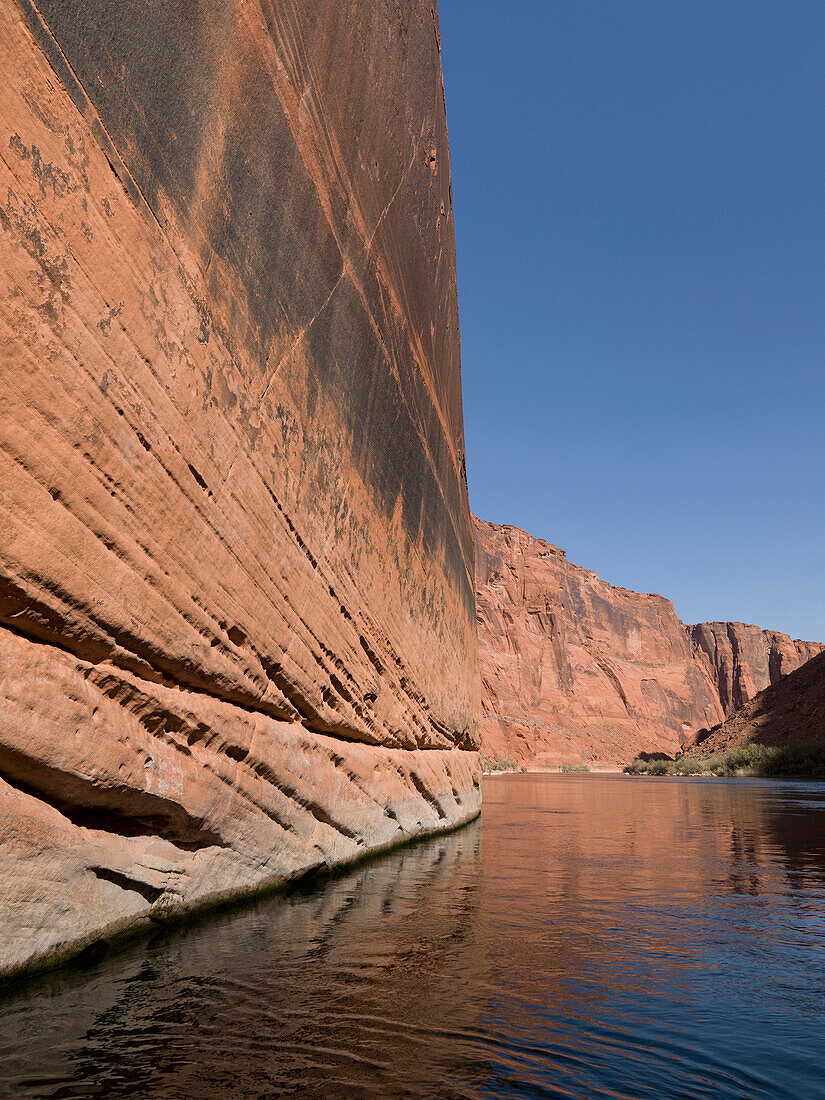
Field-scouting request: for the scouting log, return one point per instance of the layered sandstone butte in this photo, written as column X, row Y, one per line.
column 790, row 713
column 575, row 670
column 237, row 623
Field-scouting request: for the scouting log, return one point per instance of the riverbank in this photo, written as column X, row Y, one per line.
column 765, row 761
column 494, row 766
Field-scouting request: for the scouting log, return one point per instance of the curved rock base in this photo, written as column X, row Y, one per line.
column 156, row 801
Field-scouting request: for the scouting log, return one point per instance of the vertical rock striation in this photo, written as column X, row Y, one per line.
column 745, row 659
column 237, row 621
column 576, row 670
column 788, row 714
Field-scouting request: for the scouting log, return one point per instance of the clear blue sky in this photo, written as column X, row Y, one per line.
column 639, row 197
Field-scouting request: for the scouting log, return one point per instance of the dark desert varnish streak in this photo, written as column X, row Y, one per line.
column 590, row 936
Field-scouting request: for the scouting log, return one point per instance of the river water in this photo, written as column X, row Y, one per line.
column 590, row 936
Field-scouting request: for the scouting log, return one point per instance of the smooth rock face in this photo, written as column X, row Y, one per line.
column 575, row 670
column 237, row 621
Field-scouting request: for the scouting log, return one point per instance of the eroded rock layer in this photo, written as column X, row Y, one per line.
column 576, row 671
column 237, row 623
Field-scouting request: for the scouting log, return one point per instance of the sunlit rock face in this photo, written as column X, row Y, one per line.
column 237, row 620
column 577, row 671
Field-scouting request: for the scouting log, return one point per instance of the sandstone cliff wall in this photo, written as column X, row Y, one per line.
column 746, row 660
column 576, row 670
column 788, row 713
column 237, row 622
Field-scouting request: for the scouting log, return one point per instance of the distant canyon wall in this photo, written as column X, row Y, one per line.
column 237, row 621
column 745, row 659
column 787, row 714
column 575, row 670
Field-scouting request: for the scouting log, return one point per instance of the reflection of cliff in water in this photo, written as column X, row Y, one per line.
column 637, row 922
column 797, row 825
column 359, row 985
column 773, row 827
column 607, row 938
column 613, row 871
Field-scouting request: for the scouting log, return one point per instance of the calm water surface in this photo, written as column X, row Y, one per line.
column 591, row 936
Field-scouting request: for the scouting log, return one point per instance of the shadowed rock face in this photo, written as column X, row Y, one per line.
column 237, row 620
column 575, row 670
column 789, row 713
column 746, row 659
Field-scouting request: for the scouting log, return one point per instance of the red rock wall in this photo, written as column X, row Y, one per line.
column 789, row 713
column 575, row 670
column 746, row 660
column 236, row 599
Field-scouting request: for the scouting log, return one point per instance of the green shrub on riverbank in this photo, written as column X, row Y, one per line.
column 574, row 769
column 491, row 764
column 797, row 761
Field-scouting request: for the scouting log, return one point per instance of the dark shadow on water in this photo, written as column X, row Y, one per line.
column 291, row 995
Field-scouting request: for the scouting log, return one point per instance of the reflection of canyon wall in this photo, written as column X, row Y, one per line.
column 237, row 625
column 330, row 993
column 790, row 712
column 574, row 669
column 609, row 869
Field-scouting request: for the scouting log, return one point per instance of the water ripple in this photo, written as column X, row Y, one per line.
column 590, row 937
